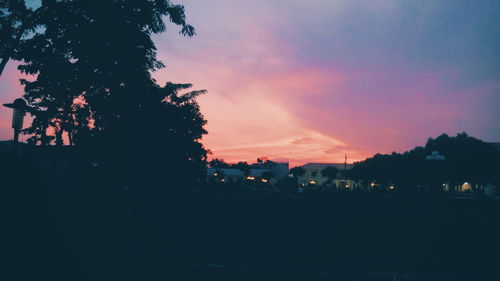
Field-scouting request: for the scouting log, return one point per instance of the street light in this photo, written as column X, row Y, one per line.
column 435, row 156
column 19, row 106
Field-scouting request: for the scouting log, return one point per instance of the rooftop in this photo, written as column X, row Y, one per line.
column 324, row 165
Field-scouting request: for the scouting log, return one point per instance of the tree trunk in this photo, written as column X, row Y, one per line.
column 70, row 138
column 10, row 52
column 4, row 63
column 59, row 139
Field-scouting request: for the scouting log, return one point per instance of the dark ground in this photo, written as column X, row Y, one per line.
column 67, row 232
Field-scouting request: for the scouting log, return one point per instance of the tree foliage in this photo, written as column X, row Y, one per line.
column 330, row 172
column 243, row 166
column 92, row 63
column 218, row 163
column 13, row 24
column 297, row 171
column 466, row 159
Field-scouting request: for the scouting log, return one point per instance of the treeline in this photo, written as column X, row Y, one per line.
column 445, row 159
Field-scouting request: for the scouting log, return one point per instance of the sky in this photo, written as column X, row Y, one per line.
column 311, row 81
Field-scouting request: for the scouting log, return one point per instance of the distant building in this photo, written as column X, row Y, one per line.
column 257, row 172
column 234, row 175
column 278, row 169
column 313, row 175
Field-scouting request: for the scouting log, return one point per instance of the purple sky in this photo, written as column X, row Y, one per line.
column 307, row 81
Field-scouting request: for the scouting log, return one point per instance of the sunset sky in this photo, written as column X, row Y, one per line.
column 308, row 81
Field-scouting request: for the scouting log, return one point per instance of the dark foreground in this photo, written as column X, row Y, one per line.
column 72, row 231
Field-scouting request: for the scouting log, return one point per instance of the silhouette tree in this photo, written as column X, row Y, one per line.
column 330, row 173
column 244, row 167
column 91, row 64
column 175, row 150
column 92, row 61
column 218, row 163
column 466, row 159
column 297, row 171
column 15, row 20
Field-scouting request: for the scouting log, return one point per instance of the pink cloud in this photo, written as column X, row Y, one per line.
column 287, row 82
column 261, row 99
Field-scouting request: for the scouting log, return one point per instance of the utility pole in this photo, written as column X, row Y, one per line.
column 345, row 162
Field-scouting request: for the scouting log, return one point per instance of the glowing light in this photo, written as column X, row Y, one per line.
column 264, row 180
column 392, row 187
column 312, row 182
column 346, row 185
column 372, row 184
column 222, row 180
column 250, row 178
column 466, row 187
column 215, row 174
